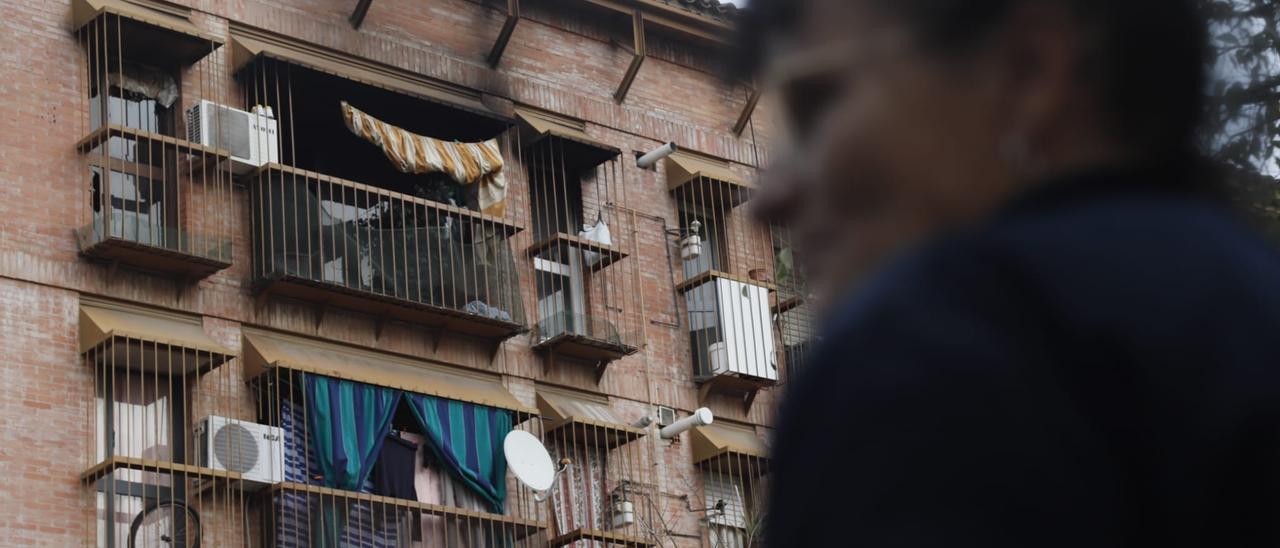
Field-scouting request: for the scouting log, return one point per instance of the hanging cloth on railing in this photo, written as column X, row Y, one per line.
column 467, row 438
column 467, row 163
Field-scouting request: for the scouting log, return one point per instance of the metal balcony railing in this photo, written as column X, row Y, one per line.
column 327, row 239
column 594, row 328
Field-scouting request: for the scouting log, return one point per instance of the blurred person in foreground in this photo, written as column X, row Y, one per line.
column 1042, row 327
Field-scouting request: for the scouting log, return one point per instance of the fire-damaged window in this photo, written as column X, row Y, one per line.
column 154, row 194
column 138, row 193
column 383, row 195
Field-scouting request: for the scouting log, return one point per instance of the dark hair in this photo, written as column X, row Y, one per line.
column 1147, row 57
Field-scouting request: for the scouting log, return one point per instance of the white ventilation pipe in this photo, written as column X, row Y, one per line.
column 651, row 158
column 701, row 417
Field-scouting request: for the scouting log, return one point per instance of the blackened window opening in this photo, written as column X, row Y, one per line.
column 314, row 136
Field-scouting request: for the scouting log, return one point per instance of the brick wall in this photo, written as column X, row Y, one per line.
column 568, row 62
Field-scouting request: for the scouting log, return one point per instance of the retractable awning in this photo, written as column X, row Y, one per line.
column 264, row 351
column 536, row 125
column 729, row 449
column 700, row 180
column 684, row 166
column 146, row 339
column 584, row 419
column 161, row 34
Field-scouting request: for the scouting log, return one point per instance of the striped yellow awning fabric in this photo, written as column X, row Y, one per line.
column 467, row 163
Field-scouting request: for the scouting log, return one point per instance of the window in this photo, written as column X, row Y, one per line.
column 433, row 461
column 136, row 417
column 560, row 297
column 787, row 272
column 404, row 457
column 315, row 137
column 793, row 313
column 581, row 500
column 555, row 193
column 139, row 97
column 734, row 516
column 135, row 206
column 704, row 324
column 726, row 514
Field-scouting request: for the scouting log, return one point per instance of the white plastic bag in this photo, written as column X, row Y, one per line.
column 598, row 233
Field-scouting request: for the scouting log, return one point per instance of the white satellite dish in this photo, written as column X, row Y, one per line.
column 528, row 459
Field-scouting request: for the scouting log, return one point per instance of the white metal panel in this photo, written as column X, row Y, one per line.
column 748, row 329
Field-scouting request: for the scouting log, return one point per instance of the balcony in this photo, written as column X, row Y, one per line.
column 157, row 202
column 459, row 417
column 587, row 294
column 793, row 310
column 336, row 242
column 602, row 501
column 584, row 337
column 558, row 247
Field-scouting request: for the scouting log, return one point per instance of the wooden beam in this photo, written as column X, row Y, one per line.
column 601, row 366
column 380, row 325
column 677, row 19
column 321, row 309
column 260, row 301
column 717, row 38
column 504, row 36
column 357, row 16
column 748, row 400
column 637, row 32
column 747, row 110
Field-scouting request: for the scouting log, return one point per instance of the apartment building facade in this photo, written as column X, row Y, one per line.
column 289, row 273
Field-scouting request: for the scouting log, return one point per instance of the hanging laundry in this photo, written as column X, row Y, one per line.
column 467, row 163
column 393, row 473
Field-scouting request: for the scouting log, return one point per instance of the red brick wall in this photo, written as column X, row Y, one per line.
column 44, row 388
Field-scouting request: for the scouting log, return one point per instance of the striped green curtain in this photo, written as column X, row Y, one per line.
column 468, row 439
column 349, row 422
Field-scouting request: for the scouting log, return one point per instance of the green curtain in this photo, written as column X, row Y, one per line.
column 349, row 423
column 468, row 439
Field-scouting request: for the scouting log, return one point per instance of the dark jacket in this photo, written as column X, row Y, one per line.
column 1098, row 365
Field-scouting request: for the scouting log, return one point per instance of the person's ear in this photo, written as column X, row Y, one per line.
column 1037, row 56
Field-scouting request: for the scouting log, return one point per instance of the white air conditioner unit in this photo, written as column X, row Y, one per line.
column 253, row 450
column 746, row 325
column 251, row 137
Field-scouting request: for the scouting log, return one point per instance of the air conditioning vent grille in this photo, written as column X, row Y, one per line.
column 235, row 448
column 234, row 134
column 666, row 415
